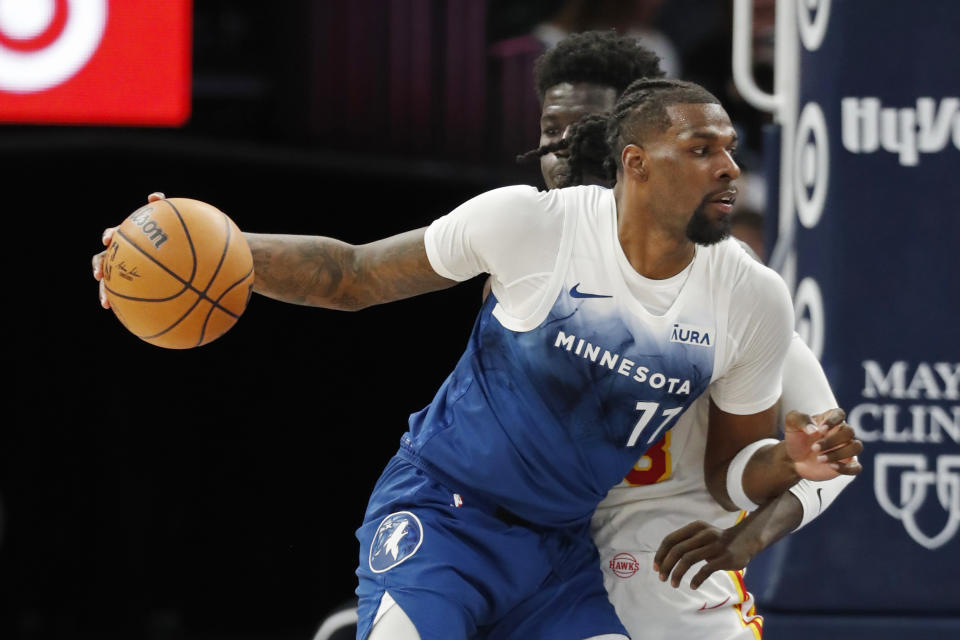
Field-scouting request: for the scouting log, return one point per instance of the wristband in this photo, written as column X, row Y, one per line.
column 735, row 473
column 815, row 497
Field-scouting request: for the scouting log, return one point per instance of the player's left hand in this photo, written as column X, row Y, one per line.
column 822, row 446
column 723, row 550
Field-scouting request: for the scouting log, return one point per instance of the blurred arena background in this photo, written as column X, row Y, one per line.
column 213, row 493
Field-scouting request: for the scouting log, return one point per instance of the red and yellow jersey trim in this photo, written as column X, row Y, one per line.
column 746, row 608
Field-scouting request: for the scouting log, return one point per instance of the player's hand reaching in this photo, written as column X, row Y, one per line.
column 722, row 549
column 822, row 446
column 98, row 258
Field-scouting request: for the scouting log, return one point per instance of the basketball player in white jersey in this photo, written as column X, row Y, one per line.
column 665, row 491
column 611, row 312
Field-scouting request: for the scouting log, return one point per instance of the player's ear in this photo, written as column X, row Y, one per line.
column 634, row 160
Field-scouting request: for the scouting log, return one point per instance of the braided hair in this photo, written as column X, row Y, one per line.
column 642, row 108
column 595, row 141
column 589, row 152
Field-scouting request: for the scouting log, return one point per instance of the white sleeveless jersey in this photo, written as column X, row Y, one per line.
column 568, row 377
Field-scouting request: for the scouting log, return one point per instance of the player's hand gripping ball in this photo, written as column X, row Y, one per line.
column 178, row 273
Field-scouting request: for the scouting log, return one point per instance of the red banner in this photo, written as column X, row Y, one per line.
column 108, row 62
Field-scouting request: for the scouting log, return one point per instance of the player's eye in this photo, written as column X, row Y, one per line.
column 699, row 151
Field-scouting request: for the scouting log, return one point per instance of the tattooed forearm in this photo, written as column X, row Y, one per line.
column 305, row 270
column 323, row 272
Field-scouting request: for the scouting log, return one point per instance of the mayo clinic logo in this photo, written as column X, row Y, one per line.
column 914, row 403
column 95, row 61
column 916, row 481
column 45, row 42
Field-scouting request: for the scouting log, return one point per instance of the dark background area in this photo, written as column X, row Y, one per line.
column 213, row 493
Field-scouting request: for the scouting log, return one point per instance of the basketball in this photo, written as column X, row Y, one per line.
column 178, row 273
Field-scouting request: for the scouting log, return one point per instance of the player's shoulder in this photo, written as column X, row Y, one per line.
column 585, row 196
column 734, row 256
column 515, row 209
column 734, row 263
column 525, row 205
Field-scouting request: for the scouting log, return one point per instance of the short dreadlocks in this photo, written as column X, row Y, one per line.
column 597, row 57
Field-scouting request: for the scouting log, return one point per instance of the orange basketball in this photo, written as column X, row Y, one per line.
column 178, row 273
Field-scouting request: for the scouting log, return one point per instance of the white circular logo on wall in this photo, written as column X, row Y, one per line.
column 811, row 165
column 44, row 43
column 811, row 321
column 813, row 27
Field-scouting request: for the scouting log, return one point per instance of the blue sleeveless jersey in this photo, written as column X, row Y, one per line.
column 544, row 422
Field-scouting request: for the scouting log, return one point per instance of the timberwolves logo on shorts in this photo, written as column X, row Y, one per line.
column 397, row 538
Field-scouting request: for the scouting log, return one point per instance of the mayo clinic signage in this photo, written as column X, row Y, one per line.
column 904, row 403
column 867, row 116
column 111, row 62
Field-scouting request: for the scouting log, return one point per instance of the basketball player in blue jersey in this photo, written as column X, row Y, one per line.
column 611, row 311
column 579, row 78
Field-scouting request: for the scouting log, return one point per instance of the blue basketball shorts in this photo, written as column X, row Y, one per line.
column 461, row 569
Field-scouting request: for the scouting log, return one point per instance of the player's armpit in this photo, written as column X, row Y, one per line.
column 324, row 272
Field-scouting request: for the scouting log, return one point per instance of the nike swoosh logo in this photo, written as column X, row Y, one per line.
column 820, row 498
column 576, row 293
column 706, row 608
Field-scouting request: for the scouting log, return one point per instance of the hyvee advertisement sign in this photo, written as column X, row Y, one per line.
column 111, row 62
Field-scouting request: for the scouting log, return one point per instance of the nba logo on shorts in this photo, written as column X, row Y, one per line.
column 397, row 538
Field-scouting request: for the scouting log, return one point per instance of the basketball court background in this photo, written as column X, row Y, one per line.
column 214, row 493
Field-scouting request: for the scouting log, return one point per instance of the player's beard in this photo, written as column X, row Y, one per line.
column 704, row 231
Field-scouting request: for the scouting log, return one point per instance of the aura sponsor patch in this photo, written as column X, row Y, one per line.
column 690, row 334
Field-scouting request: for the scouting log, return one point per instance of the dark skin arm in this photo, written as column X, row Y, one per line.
column 816, row 448
column 771, row 473
column 725, row 549
column 324, row 272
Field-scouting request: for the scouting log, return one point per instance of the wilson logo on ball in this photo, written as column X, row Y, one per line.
column 149, row 227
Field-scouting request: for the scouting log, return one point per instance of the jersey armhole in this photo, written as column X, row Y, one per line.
column 552, row 289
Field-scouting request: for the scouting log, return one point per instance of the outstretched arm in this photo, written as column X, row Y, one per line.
column 725, row 549
column 323, row 272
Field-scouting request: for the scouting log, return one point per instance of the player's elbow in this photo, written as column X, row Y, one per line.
column 716, row 481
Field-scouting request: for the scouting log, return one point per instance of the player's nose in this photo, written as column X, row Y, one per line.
column 728, row 168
